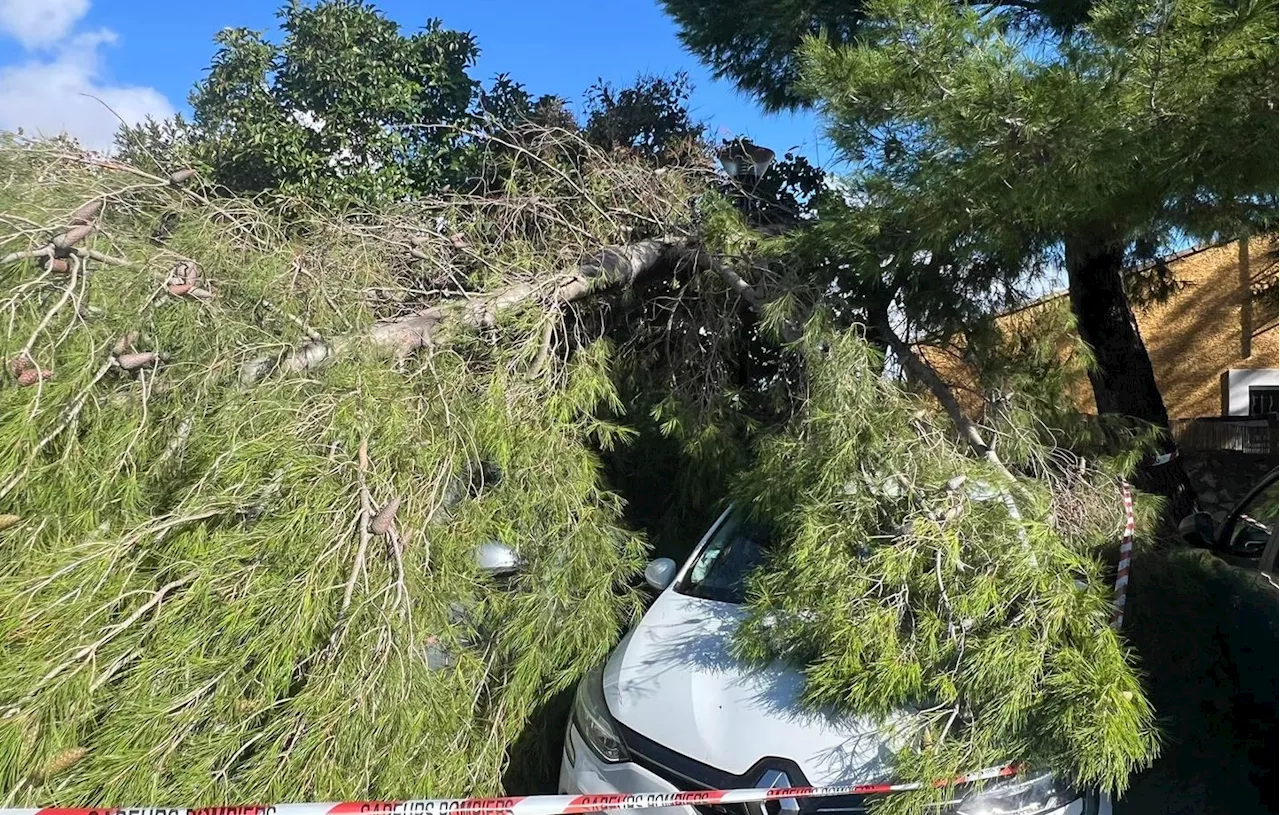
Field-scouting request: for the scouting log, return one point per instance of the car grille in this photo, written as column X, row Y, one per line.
column 686, row 774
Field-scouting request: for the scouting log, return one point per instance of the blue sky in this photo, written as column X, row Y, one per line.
column 142, row 56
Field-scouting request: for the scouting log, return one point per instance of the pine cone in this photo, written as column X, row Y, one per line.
column 381, row 523
column 85, row 213
column 125, row 343
column 188, row 272
column 57, row 265
column 63, row 761
column 19, row 364
column 132, row 362
column 31, row 376
column 181, row 177
column 71, row 237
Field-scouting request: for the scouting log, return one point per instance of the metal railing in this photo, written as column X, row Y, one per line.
column 1256, row 435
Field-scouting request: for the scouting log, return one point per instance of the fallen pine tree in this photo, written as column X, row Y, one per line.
column 255, row 573
column 248, row 460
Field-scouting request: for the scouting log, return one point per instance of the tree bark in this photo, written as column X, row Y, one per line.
column 1123, row 380
column 611, row 269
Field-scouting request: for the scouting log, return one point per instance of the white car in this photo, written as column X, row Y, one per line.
column 672, row 710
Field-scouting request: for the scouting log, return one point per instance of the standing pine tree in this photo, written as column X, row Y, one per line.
column 1027, row 136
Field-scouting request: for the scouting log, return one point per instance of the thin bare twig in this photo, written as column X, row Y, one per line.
column 53, row 312
column 366, row 514
column 89, row 650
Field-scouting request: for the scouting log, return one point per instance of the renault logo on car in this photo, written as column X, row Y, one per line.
column 774, row 780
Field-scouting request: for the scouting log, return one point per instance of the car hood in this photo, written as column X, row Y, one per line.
column 673, row 680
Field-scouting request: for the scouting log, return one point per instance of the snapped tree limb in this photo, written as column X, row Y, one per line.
column 749, row 294
column 612, row 269
column 941, row 391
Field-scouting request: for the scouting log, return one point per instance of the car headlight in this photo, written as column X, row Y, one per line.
column 592, row 719
column 1030, row 795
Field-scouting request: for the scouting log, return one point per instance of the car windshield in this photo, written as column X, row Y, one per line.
column 720, row 572
column 1255, row 523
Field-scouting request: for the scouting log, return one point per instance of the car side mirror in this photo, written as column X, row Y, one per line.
column 1197, row 529
column 660, row 573
column 497, row 559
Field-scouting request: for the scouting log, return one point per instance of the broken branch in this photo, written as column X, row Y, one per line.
column 941, row 391
column 612, row 269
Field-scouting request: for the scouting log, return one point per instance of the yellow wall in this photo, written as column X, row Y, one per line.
column 1199, row 333
column 1222, row 317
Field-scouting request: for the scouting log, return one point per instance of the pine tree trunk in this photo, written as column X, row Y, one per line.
column 1123, row 380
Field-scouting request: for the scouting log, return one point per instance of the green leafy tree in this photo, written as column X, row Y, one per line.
column 506, row 103
column 958, row 600
column 650, row 117
column 243, row 511
column 159, row 146
column 1079, row 152
column 345, row 108
column 756, row 43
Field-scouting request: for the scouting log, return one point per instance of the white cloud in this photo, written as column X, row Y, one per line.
column 66, row 92
column 37, row 23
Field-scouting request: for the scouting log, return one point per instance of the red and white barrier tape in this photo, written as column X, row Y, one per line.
column 530, row 804
column 1126, row 554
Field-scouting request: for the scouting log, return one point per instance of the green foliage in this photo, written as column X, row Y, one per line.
column 649, row 118
column 907, row 590
column 345, row 109
column 159, row 147
column 1027, row 375
column 757, row 43
column 986, row 140
column 754, row 42
column 507, row 104
column 183, row 610
column 199, row 536
column 704, row 375
column 236, row 106
column 978, row 134
column 976, row 636
column 344, row 103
